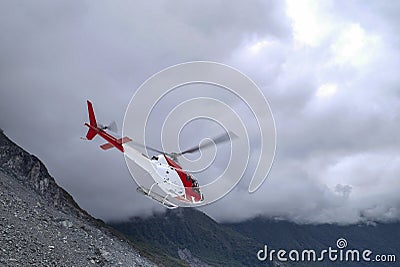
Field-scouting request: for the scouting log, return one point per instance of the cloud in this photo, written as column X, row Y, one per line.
column 332, row 92
column 55, row 55
column 329, row 71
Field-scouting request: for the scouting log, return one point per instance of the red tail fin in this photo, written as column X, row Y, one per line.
column 92, row 119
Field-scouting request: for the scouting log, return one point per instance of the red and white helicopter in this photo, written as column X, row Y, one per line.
column 167, row 174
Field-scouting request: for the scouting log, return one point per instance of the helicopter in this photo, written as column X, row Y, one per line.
column 164, row 169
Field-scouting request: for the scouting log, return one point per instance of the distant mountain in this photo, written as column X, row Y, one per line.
column 168, row 235
column 191, row 235
column 41, row 224
column 380, row 238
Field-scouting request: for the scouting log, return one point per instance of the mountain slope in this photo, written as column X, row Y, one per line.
column 186, row 230
column 41, row 225
column 237, row 244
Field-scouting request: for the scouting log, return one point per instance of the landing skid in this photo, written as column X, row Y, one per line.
column 160, row 199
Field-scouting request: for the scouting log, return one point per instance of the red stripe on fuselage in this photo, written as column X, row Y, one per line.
column 187, row 183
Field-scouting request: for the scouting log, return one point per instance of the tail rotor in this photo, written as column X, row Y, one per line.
column 111, row 127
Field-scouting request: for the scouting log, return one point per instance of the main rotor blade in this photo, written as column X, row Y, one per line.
column 217, row 140
column 149, row 148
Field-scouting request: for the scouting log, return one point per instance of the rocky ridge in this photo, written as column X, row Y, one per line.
column 41, row 224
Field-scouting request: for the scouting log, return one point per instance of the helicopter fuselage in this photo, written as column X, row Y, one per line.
column 166, row 173
column 174, row 181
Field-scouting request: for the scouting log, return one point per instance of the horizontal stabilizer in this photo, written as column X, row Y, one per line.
column 106, row 146
column 122, row 140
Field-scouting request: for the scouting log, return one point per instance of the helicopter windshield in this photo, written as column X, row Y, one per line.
column 195, row 187
column 195, row 184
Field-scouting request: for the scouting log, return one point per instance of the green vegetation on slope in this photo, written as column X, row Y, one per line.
column 191, row 229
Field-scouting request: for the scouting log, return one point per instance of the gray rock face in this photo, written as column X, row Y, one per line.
column 186, row 255
column 41, row 225
column 32, row 173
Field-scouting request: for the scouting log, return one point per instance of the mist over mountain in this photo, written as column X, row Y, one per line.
column 41, row 225
column 380, row 238
column 190, row 231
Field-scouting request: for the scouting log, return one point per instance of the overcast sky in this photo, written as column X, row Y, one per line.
column 329, row 70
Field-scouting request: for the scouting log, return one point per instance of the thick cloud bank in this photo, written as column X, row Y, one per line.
column 329, row 70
